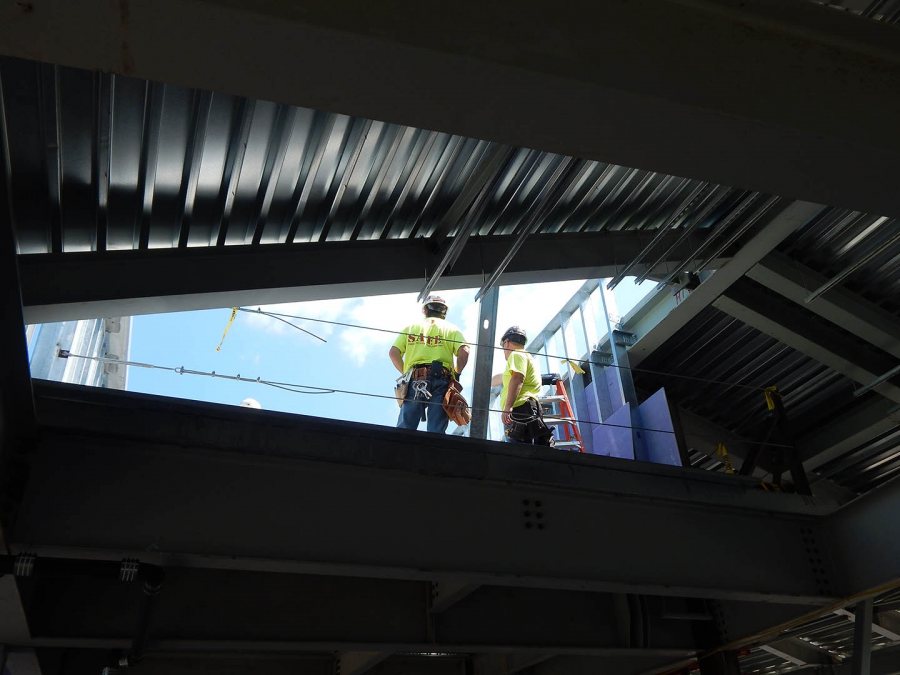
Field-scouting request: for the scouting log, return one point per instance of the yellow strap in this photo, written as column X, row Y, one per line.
column 234, row 311
column 770, row 393
column 578, row 369
column 722, row 453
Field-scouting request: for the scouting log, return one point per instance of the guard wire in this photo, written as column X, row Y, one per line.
column 312, row 389
column 693, row 378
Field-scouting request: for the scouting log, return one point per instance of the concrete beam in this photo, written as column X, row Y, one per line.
column 781, row 224
column 126, row 283
column 840, row 306
column 751, row 76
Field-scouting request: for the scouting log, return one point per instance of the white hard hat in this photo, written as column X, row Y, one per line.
column 436, row 302
column 251, row 403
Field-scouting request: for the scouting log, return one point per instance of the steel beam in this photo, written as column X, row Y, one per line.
column 484, row 362
column 23, row 662
column 358, row 663
column 862, row 638
column 883, row 662
column 506, row 664
column 888, row 622
column 445, row 594
column 18, row 423
column 621, row 663
column 857, row 426
column 13, row 622
column 362, row 618
column 844, row 308
column 752, row 305
column 104, row 455
column 877, row 628
column 866, row 536
column 797, row 652
column 93, row 661
column 514, row 81
column 779, row 226
column 126, row 283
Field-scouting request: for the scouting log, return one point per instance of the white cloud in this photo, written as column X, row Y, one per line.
column 390, row 313
column 530, row 306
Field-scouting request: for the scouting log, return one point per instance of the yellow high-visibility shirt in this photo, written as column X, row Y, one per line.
column 521, row 362
column 431, row 339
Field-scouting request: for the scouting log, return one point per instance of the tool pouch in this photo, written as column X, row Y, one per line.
column 456, row 407
column 400, row 388
column 528, row 426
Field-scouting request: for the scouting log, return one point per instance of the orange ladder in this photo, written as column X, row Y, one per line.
column 558, row 413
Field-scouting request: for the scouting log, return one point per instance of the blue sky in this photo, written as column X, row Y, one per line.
column 351, row 359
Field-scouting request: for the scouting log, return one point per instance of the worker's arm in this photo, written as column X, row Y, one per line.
column 515, row 386
column 396, row 359
column 462, row 358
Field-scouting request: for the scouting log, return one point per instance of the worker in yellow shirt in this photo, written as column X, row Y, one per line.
column 425, row 351
column 522, row 417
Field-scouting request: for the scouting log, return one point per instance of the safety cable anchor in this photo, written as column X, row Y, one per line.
column 62, row 353
column 129, row 569
column 24, row 565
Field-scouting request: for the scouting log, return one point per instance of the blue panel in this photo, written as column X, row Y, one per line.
column 660, row 446
column 618, row 440
column 581, row 413
column 590, row 404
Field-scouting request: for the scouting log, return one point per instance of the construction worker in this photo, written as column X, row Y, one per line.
column 425, row 351
column 523, row 418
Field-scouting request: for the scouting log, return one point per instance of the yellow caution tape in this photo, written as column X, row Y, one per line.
column 722, row 453
column 770, row 393
column 578, row 369
column 234, row 311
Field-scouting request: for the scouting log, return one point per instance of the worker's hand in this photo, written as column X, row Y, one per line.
column 506, row 417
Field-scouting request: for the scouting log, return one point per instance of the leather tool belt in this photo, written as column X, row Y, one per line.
column 456, row 407
column 424, row 371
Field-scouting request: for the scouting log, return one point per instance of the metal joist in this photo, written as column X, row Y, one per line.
column 778, row 227
column 844, row 308
column 750, row 304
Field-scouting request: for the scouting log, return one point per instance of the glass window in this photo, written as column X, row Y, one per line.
column 544, row 361
column 591, row 325
column 576, row 343
column 555, row 352
column 627, row 295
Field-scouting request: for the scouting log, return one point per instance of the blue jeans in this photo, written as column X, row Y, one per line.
column 413, row 408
